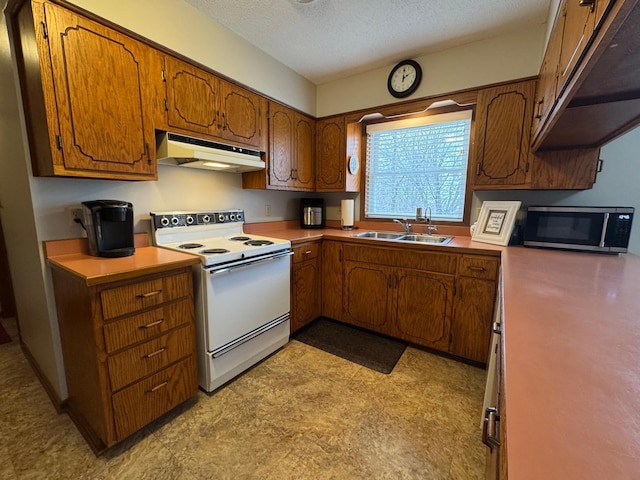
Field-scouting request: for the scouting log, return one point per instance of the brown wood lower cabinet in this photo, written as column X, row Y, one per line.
column 129, row 350
column 305, row 291
column 439, row 300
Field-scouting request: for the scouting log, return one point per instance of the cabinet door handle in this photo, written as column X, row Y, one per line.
column 158, row 387
column 153, row 354
column 588, row 3
column 489, row 428
column 152, row 324
column 496, row 328
column 477, row 269
column 149, row 294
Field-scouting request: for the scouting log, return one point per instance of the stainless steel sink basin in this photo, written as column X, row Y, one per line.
column 406, row 237
column 438, row 239
column 383, row 235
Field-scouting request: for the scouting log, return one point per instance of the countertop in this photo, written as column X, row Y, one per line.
column 72, row 256
column 572, row 358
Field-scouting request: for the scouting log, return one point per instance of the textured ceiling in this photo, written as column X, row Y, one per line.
column 330, row 39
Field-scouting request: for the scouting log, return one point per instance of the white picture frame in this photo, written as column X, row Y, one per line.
column 495, row 222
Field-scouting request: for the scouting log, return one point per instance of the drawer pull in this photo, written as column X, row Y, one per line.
column 308, row 252
column 477, row 269
column 158, row 387
column 489, row 428
column 149, row 294
column 152, row 324
column 153, row 354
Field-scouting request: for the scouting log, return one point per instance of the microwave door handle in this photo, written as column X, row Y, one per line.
column 604, row 229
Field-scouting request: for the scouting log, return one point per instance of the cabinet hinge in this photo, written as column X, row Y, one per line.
column 166, row 105
column 454, row 290
column 164, row 75
column 526, row 167
column 59, row 142
column 45, row 32
column 478, row 169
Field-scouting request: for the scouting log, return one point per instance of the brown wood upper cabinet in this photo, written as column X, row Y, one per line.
column 589, row 90
column 336, row 143
column 83, row 85
column 290, row 163
column 198, row 102
column 503, row 158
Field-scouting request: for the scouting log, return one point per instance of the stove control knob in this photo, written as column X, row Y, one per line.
column 175, row 220
column 189, row 220
column 206, row 219
column 164, row 221
column 221, row 218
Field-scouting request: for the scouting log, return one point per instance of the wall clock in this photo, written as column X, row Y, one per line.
column 404, row 78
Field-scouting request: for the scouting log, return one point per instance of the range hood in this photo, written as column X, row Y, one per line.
column 183, row 151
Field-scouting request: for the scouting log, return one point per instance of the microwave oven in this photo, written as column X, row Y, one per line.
column 591, row 229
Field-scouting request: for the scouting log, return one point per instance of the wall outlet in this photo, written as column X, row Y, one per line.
column 267, row 210
column 75, row 213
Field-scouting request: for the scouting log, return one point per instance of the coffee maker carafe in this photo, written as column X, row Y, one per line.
column 109, row 226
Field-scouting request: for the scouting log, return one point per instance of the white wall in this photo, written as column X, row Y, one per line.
column 498, row 59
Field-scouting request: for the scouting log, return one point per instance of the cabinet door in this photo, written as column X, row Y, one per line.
column 281, row 141
column 578, row 26
column 332, row 279
column 473, row 314
column 367, row 295
column 304, row 153
column 193, row 98
column 548, row 79
column 330, row 155
column 306, row 293
column 243, row 117
column 503, row 129
column 423, row 307
column 105, row 109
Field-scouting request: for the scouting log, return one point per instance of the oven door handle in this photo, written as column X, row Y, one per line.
column 249, row 336
column 250, row 263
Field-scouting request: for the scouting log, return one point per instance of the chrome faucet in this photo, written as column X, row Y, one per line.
column 405, row 225
column 421, row 218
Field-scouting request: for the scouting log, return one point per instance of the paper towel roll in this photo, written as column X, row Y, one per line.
column 346, row 214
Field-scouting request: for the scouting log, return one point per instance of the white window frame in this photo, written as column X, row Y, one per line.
column 436, row 118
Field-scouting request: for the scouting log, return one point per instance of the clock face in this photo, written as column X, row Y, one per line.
column 404, row 78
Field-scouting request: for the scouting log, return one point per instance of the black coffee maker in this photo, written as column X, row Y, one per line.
column 109, row 226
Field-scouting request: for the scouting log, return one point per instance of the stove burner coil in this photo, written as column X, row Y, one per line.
column 240, row 239
column 258, row 243
column 215, row 251
column 190, row 245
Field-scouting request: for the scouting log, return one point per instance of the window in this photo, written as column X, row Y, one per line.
column 418, row 162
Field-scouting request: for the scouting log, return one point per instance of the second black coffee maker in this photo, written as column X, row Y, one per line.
column 109, row 226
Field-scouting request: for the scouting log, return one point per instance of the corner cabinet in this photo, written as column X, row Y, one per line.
column 290, row 162
column 90, row 95
column 128, row 348
column 336, row 143
column 198, row 102
column 503, row 157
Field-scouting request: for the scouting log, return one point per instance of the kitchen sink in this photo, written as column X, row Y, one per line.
column 406, row 237
column 383, row 235
column 437, row 239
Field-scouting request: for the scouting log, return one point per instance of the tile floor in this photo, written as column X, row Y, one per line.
column 300, row 414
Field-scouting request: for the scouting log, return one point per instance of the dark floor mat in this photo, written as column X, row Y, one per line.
column 368, row 349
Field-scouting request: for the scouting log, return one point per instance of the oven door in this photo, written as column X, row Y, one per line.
column 245, row 299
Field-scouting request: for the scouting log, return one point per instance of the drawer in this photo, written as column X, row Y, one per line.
column 140, row 295
column 306, row 252
column 154, row 355
column 137, row 328
column 136, row 406
column 478, row 267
